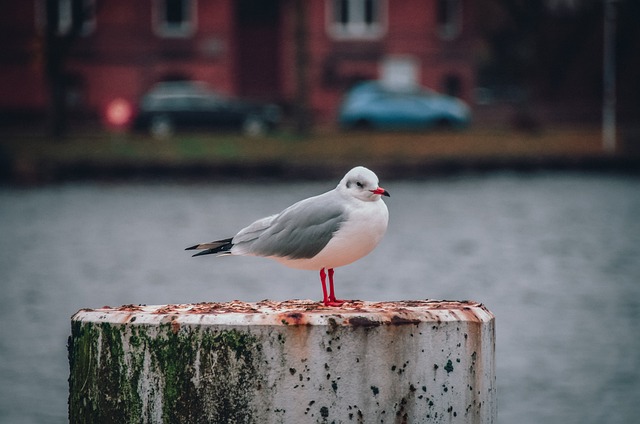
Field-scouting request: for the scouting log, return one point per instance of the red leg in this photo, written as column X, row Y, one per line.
column 329, row 300
column 323, row 278
column 332, row 294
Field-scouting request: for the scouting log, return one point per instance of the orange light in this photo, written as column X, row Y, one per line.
column 119, row 113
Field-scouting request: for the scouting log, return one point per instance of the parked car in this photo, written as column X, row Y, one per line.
column 169, row 106
column 371, row 105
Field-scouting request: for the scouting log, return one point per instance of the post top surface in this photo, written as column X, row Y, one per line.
column 355, row 313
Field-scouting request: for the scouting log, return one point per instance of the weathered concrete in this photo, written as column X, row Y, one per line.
column 288, row 362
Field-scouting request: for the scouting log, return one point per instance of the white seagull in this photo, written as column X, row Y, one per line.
column 319, row 233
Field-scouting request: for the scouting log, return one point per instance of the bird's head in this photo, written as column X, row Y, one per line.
column 362, row 184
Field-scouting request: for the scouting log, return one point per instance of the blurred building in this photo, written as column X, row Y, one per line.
column 250, row 48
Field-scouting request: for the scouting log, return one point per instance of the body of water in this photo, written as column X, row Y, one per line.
column 555, row 256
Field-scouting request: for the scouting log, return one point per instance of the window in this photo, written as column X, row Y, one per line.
column 60, row 16
column 355, row 19
column 88, row 17
column 449, row 14
column 64, row 16
column 175, row 18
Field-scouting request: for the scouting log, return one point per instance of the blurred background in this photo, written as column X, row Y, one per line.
column 506, row 131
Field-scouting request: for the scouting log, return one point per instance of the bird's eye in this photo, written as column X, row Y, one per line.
column 359, row 184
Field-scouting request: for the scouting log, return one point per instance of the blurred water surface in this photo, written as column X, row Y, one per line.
column 556, row 257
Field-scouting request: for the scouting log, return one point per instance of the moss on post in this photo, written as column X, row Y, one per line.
column 116, row 368
column 283, row 362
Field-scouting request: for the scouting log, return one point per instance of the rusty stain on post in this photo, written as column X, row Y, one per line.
column 281, row 362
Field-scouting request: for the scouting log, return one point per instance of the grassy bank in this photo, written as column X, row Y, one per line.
column 29, row 157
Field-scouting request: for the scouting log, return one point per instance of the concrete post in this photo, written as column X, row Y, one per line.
column 285, row 362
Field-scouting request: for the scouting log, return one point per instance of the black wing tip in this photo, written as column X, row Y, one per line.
column 220, row 250
column 223, row 247
column 204, row 252
column 221, row 242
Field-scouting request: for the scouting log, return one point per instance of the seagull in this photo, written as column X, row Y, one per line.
column 320, row 233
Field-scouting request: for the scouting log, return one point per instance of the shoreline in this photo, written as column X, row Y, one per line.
column 42, row 173
column 101, row 156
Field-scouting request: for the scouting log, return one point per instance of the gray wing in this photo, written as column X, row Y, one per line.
column 250, row 234
column 299, row 232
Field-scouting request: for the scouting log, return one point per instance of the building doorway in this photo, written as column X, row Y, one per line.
column 258, row 56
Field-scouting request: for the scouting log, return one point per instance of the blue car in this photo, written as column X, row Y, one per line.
column 370, row 105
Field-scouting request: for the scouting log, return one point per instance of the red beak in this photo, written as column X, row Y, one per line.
column 381, row 192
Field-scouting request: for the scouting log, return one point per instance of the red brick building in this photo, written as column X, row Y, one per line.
column 243, row 47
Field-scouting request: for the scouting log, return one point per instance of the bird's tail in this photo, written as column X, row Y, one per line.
column 222, row 247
